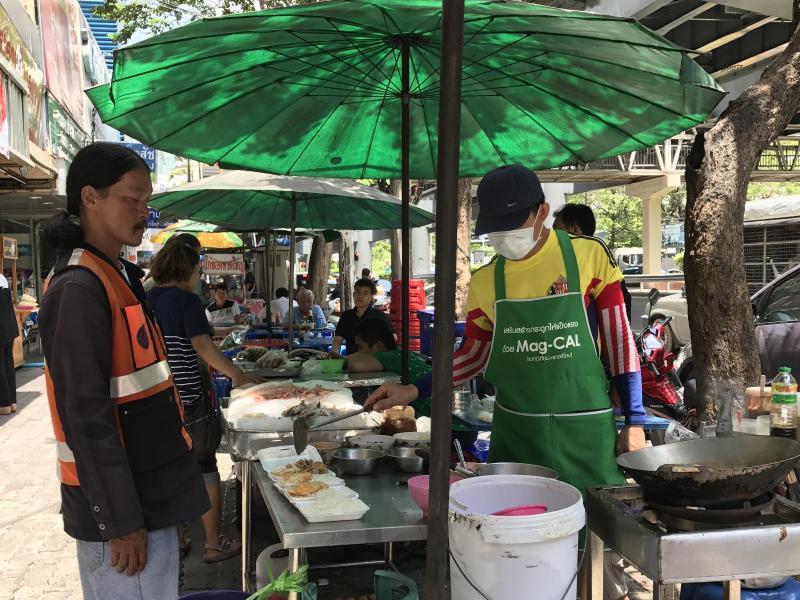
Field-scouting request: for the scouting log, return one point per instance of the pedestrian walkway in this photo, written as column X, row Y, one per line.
column 39, row 558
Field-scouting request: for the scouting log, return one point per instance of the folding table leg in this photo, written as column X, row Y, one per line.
column 732, row 590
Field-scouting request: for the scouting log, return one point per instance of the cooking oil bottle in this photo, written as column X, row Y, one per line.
column 783, row 414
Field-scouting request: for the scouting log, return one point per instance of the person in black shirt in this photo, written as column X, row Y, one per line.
column 363, row 296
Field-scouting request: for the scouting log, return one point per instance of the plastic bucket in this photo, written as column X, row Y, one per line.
column 503, row 555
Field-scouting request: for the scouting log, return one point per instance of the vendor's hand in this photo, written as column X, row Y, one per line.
column 391, row 394
column 630, row 438
column 246, row 378
column 334, row 354
column 129, row 552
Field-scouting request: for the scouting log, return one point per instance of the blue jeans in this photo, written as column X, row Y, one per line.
column 158, row 580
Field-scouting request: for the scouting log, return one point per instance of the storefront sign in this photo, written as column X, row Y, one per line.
column 223, row 264
column 61, row 34
column 10, row 248
column 153, row 218
column 19, row 58
column 66, row 137
column 147, row 153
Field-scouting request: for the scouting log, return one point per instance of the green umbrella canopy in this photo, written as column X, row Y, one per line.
column 316, row 89
column 245, row 200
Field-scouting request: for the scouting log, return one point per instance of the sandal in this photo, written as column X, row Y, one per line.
column 184, row 546
column 224, row 549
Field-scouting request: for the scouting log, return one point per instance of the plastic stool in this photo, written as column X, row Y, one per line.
column 310, row 591
column 393, row 586
column 713, row 591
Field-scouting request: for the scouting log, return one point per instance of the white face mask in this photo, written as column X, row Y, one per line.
column 517, row 243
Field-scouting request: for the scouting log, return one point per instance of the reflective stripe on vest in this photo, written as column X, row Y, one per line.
column 140, row 381
column 139, row 367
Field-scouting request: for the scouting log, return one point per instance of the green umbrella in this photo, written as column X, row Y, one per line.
column 349, row 88
column 317, row 89
column 249, row 201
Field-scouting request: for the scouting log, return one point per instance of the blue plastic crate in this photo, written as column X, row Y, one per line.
column 426, row 319
column 713, row 591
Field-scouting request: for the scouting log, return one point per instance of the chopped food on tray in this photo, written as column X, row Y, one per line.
column 301, row 466
column 308, row 410
column 251, row 354
column 273, row 359
column 304, row 490
column 295, row 477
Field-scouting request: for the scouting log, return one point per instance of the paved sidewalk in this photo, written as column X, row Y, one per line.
column 40, row 558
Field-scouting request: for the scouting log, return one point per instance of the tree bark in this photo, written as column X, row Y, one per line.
column 346, row 275
column 717, row 175
column 319, row 268
column 463, row 254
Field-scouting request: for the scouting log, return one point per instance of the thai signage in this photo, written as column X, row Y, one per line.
column 223, row 264
column 19, row 58
column 66, row 137
column 147, row 153
column 61, row 33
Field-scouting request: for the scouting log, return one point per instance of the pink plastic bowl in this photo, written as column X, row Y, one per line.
column 526, row 510
column 418, row 487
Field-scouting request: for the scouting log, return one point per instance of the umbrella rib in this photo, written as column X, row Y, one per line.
column 316, row 133
column 356, row 48
column 500, row 155
column 342, row 61
column 380, row 110
column 426, row 129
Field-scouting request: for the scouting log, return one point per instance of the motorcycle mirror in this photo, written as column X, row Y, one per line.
column 653, row 296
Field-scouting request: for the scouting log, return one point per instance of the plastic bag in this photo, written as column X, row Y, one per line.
column 678, row 433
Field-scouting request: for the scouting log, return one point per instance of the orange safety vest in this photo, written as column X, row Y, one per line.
column 139, row 367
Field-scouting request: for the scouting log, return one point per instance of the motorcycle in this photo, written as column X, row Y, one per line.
column 662, row 389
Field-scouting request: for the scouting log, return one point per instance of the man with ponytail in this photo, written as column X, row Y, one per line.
column 128, row 477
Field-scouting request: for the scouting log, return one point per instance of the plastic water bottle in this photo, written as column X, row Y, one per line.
column 783, row 414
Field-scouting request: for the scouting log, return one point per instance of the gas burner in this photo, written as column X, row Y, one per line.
column 692, row 518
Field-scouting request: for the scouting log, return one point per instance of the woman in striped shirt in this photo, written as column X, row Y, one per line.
column 176, row 270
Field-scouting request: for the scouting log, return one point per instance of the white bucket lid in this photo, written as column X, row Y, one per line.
column 472, row 501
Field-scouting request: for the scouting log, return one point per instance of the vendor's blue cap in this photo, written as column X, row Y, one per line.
column 506, row 196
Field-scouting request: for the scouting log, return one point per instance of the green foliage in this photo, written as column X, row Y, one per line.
column 283, row 584
column 678, row 258
column 618, row 215
column 757, row 190
column 382, row 258
column 673, row 206
column 151, row 17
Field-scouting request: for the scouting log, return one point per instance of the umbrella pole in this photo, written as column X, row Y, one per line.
column 406, row 199
column 266, row 292
column 291, row 272
column 444, row 332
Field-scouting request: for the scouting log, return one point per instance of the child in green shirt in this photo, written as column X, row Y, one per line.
column 378, row 351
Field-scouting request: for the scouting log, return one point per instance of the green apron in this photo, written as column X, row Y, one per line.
column 552, row 406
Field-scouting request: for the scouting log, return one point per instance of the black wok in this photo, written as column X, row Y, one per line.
column 711, row 471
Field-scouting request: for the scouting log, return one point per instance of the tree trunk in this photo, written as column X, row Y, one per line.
column 346, row 276
column 397, row 240
column 319, row 268
column 717, row 174
column 463, row 253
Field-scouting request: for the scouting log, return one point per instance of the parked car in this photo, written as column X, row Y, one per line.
column 776, row 307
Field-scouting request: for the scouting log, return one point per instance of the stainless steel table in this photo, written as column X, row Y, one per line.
column 392, row 517
column 351, row 380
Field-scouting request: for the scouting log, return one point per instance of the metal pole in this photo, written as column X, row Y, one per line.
column 267, row 291
column 443, row 333
column 405, row 194
column 246, row 531
column 292, row 251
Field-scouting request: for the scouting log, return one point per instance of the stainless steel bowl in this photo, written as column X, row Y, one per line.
column 510, row 468
column 407, row 460
column 357, row 461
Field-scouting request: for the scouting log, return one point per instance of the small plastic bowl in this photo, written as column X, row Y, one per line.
column 373, row 442
column 418, row 488
column 332, row 365
column 413, row 439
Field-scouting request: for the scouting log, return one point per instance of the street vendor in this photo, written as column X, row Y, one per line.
column 364, row 291
column 526, row 323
